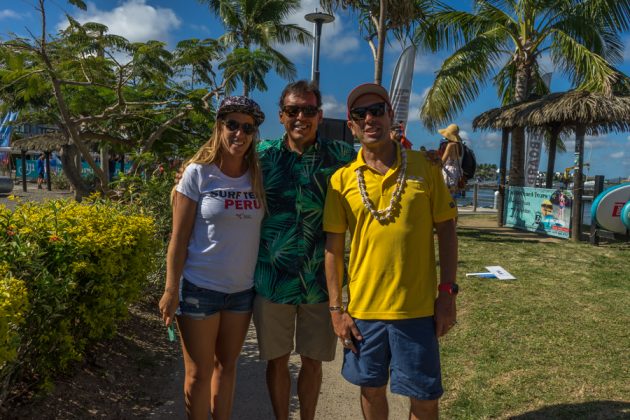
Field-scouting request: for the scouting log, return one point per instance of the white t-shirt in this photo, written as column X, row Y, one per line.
column 223, row 245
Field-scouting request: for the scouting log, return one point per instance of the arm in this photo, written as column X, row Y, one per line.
column 449, row 152
column 184, row 210
column 445, row 307
column 343, row 324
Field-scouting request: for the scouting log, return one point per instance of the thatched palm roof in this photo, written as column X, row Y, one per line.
column 599, row 113
column 44, row 142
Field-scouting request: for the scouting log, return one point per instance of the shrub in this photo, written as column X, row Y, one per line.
column 82, row 264
column 13, row 305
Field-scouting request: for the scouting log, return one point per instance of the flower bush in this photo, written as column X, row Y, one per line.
column 81, row 265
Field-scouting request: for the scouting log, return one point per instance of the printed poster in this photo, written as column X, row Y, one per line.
column 540, row 210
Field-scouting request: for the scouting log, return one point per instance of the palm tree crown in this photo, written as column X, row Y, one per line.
column 503, row 41
column 254, row 27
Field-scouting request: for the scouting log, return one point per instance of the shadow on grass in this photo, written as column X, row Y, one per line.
column 491, row 235
column 590, row 410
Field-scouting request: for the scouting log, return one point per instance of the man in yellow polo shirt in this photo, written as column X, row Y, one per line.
column 390, row 199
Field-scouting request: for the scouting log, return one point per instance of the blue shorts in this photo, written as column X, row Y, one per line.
column 199, row 303
column 404, row 350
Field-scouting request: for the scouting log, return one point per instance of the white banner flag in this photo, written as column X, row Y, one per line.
column 400, row 88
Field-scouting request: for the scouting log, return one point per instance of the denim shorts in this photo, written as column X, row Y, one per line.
column 197, row 302
column 405, row 351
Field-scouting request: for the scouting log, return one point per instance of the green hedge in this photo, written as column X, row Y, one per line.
column 81, row 264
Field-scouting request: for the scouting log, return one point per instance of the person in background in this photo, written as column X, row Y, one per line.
column 218, row 206
column 451, row 152
column 390, row 199
column 397, row 134
column 41, row 170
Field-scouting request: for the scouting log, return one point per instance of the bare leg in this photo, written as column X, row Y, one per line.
column 232, row 331
column 374, row 403
column 423, row 409
column 279, row 386
column 198, row 338
column 309, row 384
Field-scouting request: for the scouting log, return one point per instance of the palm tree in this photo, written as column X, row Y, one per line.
column 378, row 17
column 257, row 26
column 503, row 41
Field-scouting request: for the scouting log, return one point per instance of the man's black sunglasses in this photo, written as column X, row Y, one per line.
column 375, row 110
column 235, row 125
column 293, row 110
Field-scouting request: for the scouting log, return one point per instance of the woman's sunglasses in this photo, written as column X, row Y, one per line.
column 293, row 110
column 247, row 128
column 375, row 110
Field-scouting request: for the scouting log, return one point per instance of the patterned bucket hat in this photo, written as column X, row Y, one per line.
column 241, row 104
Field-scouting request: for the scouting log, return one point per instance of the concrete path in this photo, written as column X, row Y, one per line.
column 338, row 399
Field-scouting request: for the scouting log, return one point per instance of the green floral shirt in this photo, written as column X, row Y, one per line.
column 290, row 266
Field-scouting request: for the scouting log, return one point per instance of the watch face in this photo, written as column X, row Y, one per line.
column 454, row 288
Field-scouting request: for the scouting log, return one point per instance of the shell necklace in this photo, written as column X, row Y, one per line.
column 385, row 214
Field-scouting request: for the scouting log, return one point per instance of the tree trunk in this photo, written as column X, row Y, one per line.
column 576, row 207
column 505, row 138
column 69, row 157
column 517, row 161
column 380, row 50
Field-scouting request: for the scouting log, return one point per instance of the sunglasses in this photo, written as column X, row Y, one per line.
column 293, row 111
column 375, row 110
column 547, row 206
column 246, row 128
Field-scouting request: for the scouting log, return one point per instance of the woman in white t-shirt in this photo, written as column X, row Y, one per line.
column 451, row 153
column 218, row 206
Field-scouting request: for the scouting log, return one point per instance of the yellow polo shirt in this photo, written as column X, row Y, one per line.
column 391, row 273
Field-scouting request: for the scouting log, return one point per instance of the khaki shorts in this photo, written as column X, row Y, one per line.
column 276, row 328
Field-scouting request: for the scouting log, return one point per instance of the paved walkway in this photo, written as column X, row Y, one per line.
column 338, row 399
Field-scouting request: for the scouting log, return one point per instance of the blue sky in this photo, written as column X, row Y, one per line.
column 345, row 61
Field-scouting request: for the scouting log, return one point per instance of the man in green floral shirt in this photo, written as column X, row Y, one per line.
column 290, row 279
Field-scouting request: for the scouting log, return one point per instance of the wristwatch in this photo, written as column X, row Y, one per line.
column 450, row 288
column 339, row 309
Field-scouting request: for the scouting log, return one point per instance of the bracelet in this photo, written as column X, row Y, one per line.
column 339, row 309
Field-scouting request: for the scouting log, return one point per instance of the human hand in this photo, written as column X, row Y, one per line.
column 168, row 305
column 346, row 329
column 433, row 156
column 445, row 314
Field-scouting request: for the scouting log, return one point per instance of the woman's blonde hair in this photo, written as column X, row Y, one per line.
column 210, row 152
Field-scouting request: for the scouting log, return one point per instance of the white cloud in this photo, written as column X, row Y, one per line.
column 9, row 14
column 335, row 42
column 332, row 107
column 414, row 106
column 491, row 140
column 133, row 19
column 617, row 155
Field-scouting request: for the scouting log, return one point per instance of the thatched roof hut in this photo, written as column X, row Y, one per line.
column 583, row 112
column 44, row 142
column 597, row 112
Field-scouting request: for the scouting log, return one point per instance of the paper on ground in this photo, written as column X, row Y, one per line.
column 486, row 275
column 500, row 272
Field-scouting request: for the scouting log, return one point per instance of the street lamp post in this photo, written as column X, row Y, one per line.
column 318, row 18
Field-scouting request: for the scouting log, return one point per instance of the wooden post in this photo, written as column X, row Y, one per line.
column 597, row 188
column 23, row 170
column 502, row 169
column 576, row 208
column 475, row 194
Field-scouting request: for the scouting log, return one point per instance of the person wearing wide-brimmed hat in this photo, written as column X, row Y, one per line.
column 390, row 200
column 218, row 206
column 452, row 157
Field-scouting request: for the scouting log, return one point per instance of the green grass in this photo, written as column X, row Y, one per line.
column 554, row 343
